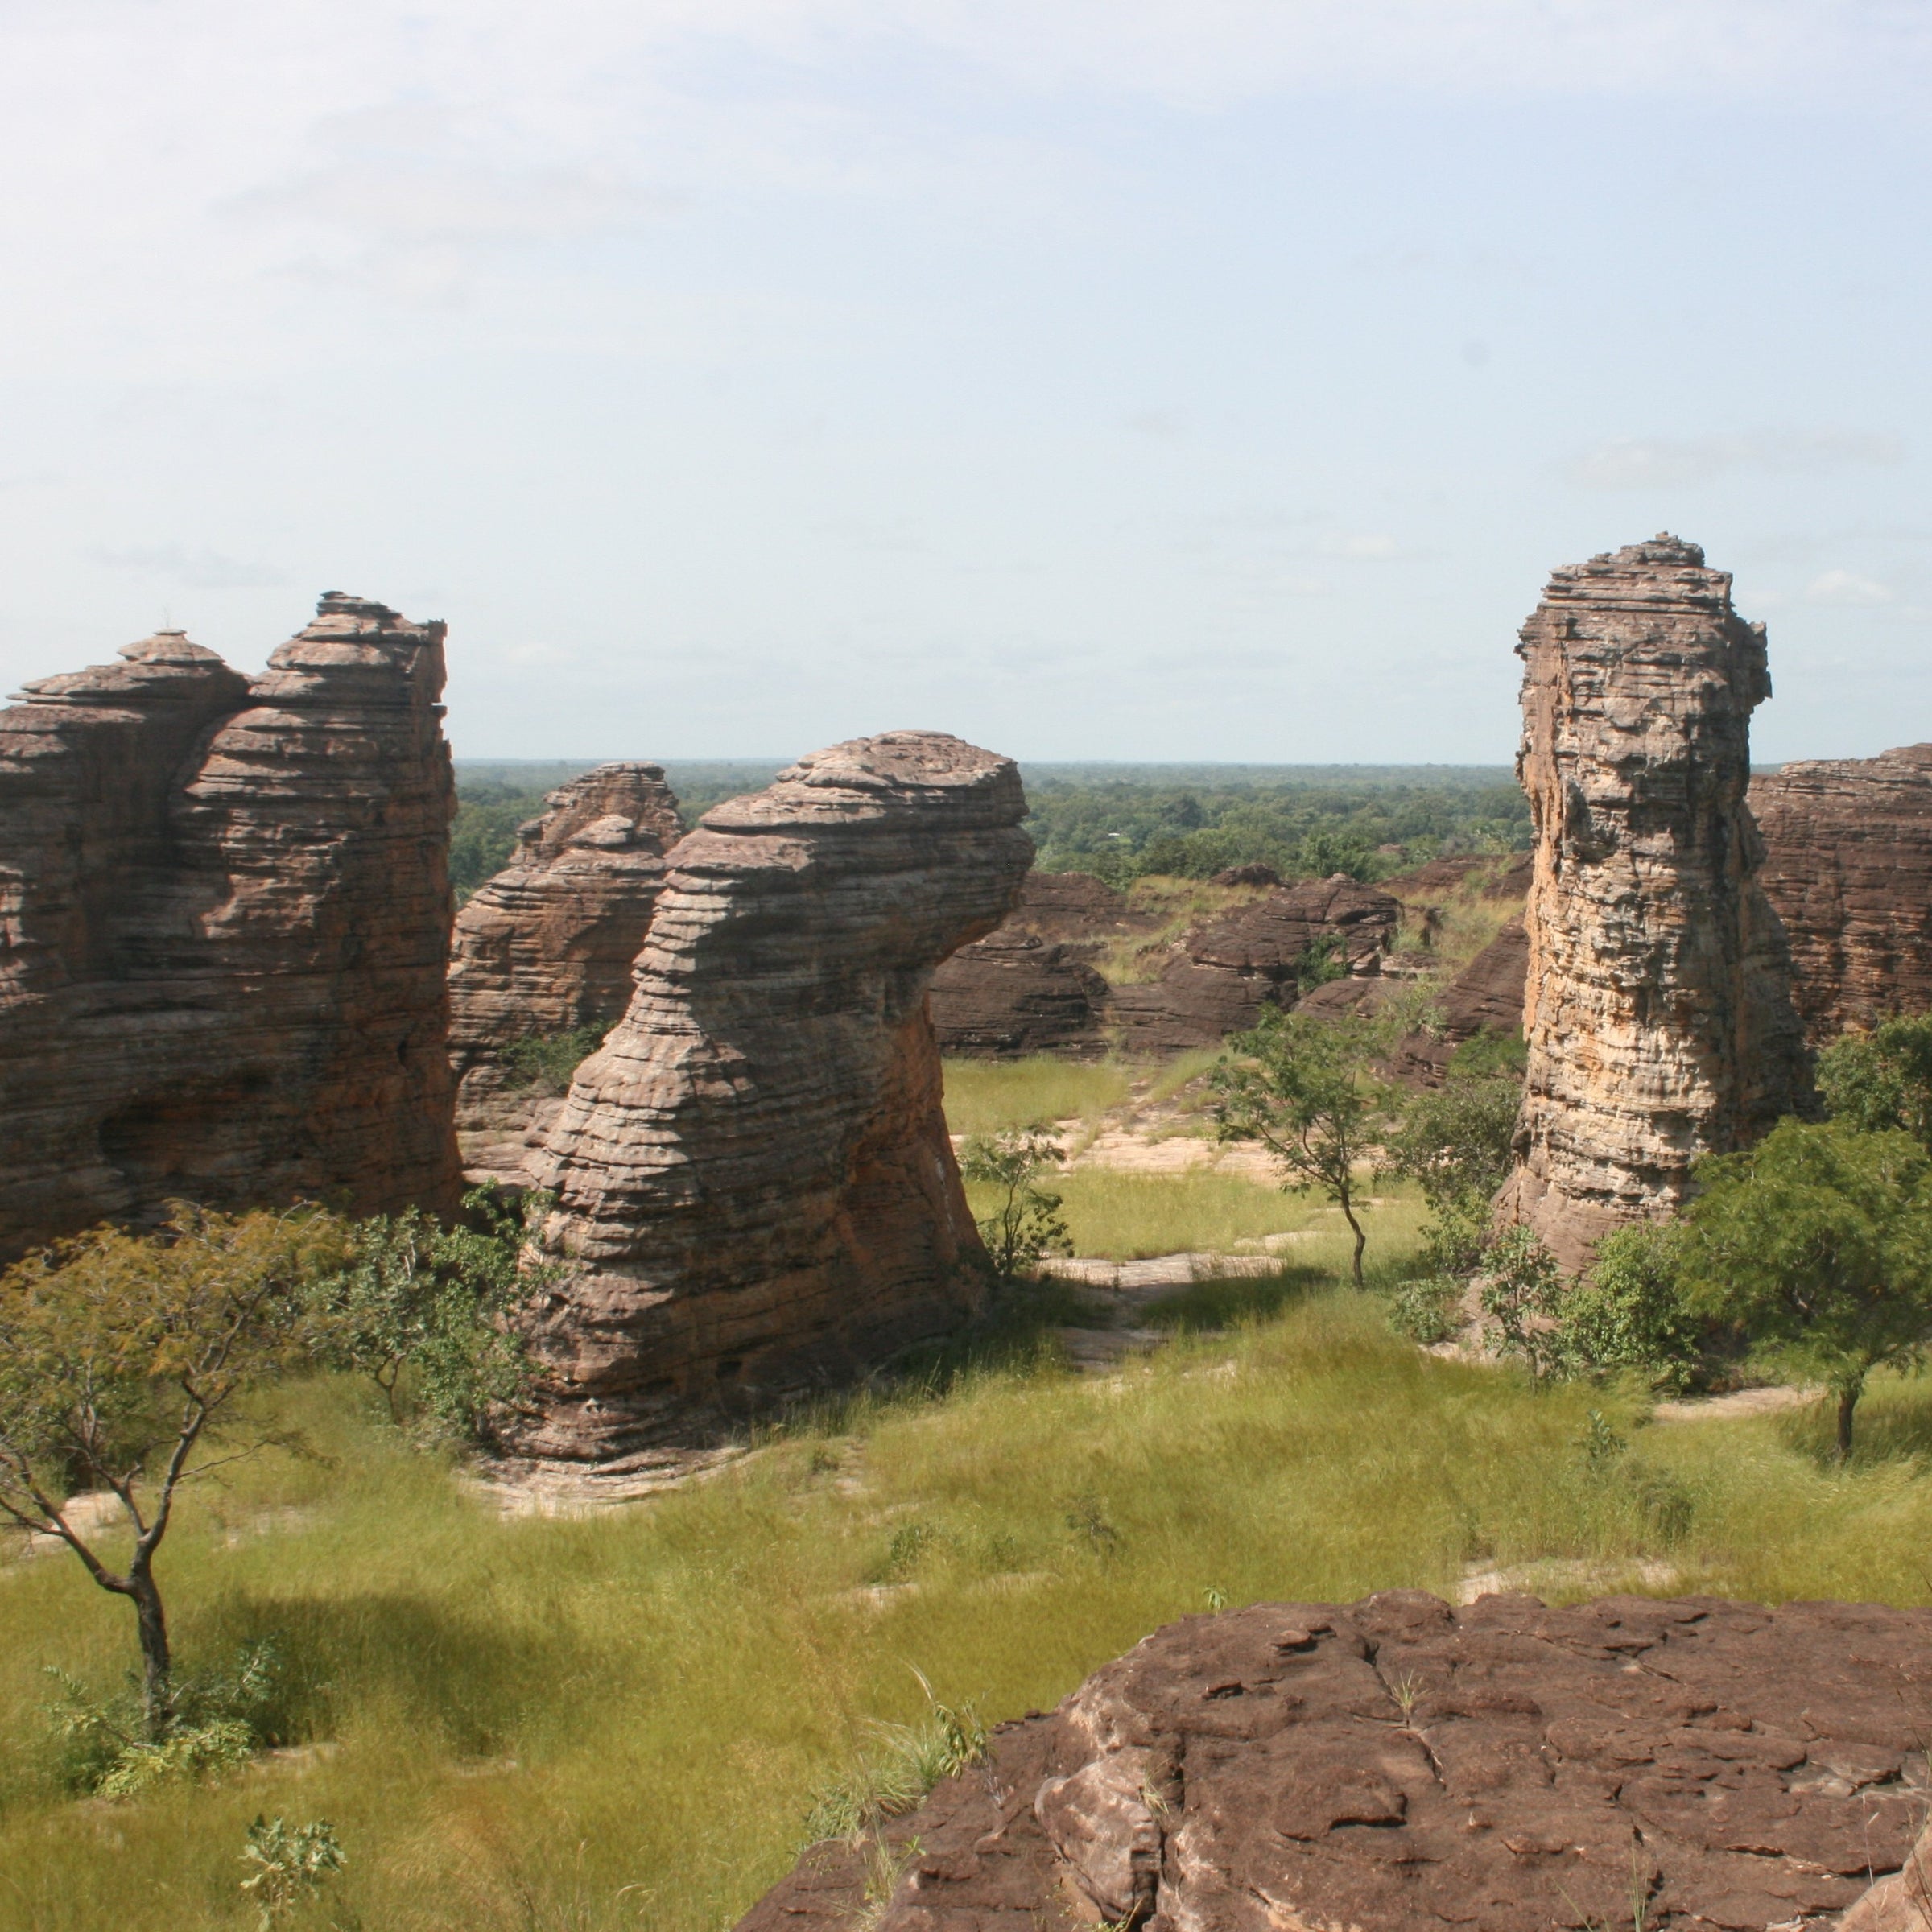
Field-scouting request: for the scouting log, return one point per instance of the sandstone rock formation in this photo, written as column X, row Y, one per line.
column 1227, row 972
column 1848, row 867
column 1485, row 997
column 1014, row 994
column 546, row 948
column 1395, row 1765
column 1658, row 1004
column 225, row 915
column 756, row 1190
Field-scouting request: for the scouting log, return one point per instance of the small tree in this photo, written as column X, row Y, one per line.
column 1306, row 1089
column 1873, row 1081
column 1522, row 1293
column 1817, row 1244
column 413, row 1293
column 1025, row 1222
column 123, row 1357
column 1455, row 1145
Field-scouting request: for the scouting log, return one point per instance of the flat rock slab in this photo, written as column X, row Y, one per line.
column 1398, row 1764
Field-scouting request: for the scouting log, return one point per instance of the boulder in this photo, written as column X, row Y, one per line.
column 1014, row 993
column 1399, row 1765
column 224, row 913
column 1247, row 875
column 1658, row 1004
column 1227, row 972
column 1848, row 868
column 756, row 1195
column 547, row 947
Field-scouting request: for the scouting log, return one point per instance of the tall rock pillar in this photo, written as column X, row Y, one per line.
column 756, row 1193
column 1658, row 1003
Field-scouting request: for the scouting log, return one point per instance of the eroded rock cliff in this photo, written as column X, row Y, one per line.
column 1657, row 1004
column 1848, row 868
column 755, row 1190
column 546, row 948
column 225, row 915
column 1398, row 1764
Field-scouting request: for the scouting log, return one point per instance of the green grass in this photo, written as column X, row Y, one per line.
column 622, row 1721
column 982, row 1097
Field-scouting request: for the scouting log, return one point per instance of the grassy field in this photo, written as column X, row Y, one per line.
column 620, row 1722
column 982, row 1097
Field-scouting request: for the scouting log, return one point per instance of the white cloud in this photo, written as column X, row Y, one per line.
column 1845, row 586
column 1665, row 463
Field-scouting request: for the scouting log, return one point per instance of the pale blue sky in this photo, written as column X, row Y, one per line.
column 1095, row 378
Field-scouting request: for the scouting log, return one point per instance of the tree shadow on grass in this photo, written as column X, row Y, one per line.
column 462, row 1680
column 1226, row 1301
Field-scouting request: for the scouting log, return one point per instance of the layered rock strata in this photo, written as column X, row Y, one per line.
column 224, row 913
column 1226, row 973
column 1014, row 994
column 1657, row 1003
column 1398, row 1764
column 545, row 950
column 1848, row 868
column 757, row 1194
column 1485, row 997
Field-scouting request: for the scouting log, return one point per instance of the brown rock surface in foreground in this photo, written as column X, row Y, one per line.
column 1658, row 1004
column 1396, row 1765
column 757, row 1194
column 547, row 947
column 1229, row 970
column 1848, row 868
column 224, row 913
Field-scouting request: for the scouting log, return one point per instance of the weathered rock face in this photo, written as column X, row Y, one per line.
column 1485, row 997
column 1848, row 867
column 1657, row 1004
column 756, row 1190
column 1014, row 994
column 225, row 915
column 1399, row 1765
column 1228, row 972
column 546, row 947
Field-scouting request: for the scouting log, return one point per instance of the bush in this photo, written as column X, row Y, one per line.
column 545, row 1065
column 1522, row 1293
column 1630, row 1312
column 1454, row 1144
column 1024, row 1225
column 1427, row 1311
column 1882, row 1080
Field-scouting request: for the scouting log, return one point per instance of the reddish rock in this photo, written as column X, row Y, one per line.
column 1014, row 994
column 1247, row 875
column 1658, row 1004
column 1227, row 972
column 757, row 1192
column 225, row 915
column 1074, row 907
column 1848, row 867
column 1485, row 997
column 547, row 949
column 1492, row 879
column 1396, row 1765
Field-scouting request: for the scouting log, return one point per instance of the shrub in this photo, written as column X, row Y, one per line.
column 1024, row 1225
column 545, row 1064
column 1454, row 1144
column 906, row 1761
column 1522, row 1293
column 1428, row 1310
column 1630, row 1312
column 1882, row 1080
column 292, row 1864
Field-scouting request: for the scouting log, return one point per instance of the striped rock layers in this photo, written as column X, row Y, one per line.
column 546, row 948
column 756, row 1191
column 1657, row 1004
column 225, row 915
column 1849, row 869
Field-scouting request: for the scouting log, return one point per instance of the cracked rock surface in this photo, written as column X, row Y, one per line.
column 1398, row 1765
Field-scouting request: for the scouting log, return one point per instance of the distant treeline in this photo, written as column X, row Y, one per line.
column 1120, row 821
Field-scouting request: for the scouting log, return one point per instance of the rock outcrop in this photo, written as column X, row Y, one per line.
column 1657, row 1003
column 1399, row 1765
column 756, row 1191
column 1848, row 867
column 1014, row 993
column 225, row 915
column 1485, row 997
column 546, row 948
column 1226, row 973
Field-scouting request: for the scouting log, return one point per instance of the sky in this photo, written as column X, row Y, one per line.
column 1134, row 379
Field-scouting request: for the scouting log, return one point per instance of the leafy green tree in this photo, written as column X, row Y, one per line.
column 1025, row 1223
column 1873, row 1081
column 1629, row 1311
column 1817, row 1244
column 1456, row 1145
column 123, row 1359
column 1307, row 1090
column 413, row 1293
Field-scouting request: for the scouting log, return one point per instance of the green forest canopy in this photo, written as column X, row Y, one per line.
column 1120, row 821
